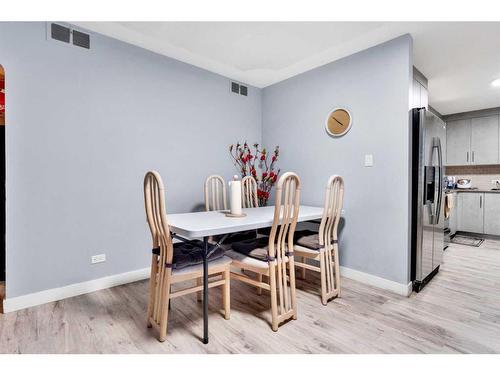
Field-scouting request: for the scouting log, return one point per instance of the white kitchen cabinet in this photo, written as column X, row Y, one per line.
column 424, row 97
column 492, row 213
column 484, row 140
column 458, row 136
column 473, row 141
column 419, row 95
column 471, row 212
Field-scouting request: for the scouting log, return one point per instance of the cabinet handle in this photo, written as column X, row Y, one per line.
column 467, row 156
column 480, row 201
column 473, row 156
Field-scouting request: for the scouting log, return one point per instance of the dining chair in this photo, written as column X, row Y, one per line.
column 215, row 193
column 215, row 200
column 323, row 246
column 269, row 256
column 249, row 192
column 174, row 263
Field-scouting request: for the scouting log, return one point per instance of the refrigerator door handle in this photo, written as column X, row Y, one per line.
column 437, row 144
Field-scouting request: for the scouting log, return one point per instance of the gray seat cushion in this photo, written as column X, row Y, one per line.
column 190, row 253
column 307, row 238
column 256, row 248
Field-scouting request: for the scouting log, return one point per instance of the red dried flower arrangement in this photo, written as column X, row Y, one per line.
column 247, row 161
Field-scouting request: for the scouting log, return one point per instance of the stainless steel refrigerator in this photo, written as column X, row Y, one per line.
column 428, row 144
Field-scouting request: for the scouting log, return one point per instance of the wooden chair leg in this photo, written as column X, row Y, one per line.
column 259, row 279
column 337, row 269
column 323, row 278
column 293, row 296
column 226, row 293
column 165, row 301
column 152, row 289
column 274, row 297
column 200, row 293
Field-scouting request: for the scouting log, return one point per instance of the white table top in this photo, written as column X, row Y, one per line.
column 202, row 224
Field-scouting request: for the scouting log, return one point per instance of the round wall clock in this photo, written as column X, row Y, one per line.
column 338, row 122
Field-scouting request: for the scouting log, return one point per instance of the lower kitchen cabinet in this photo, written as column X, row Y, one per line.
column 470, row 212
column 492, row 213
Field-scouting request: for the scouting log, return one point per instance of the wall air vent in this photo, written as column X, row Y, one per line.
column 81, row 39
column 235, row 88
column 60, row 33
column 64, row 33
column 238, row 88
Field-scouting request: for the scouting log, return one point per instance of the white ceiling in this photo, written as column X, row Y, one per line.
column 460, row 59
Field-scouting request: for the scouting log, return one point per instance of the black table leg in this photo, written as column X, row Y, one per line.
column 205, row 290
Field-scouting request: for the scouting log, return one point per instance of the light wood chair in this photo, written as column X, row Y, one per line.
column 215, row 193
column 249, row 192
column 323, row 246
column 164, row 273
column 271, row 255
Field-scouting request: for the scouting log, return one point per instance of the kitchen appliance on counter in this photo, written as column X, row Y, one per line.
column 428, row 134
column 497, row 185
column 450, row 182
column 464, row 183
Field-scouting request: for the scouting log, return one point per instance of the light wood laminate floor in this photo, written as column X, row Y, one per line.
column 458, row 312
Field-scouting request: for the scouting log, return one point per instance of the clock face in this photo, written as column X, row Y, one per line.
column 338, row 122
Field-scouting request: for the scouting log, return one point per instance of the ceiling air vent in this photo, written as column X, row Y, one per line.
column 60, row 33
column 81, row 39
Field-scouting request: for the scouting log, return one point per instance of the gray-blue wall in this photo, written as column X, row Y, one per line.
column 82, row 129
column 84, row 126
column 374, row 86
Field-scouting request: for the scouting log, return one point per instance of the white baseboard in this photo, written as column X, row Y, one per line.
column 379, row 282
column 56, row 294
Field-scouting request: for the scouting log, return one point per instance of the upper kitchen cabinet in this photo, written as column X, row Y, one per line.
column 458, row 136
column 473, row 141
column 484, row 140
column 419, row 95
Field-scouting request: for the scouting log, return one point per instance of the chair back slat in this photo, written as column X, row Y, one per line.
column 286, row 213
column 334, row 197
column 154, row 202
column 328, row 231
column 215, row 193
column 249, row 192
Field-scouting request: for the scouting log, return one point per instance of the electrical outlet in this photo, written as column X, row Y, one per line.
column 368, row 160
column 342, row 212
column 98, row 258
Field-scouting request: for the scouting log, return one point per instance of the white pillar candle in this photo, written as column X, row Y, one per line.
column 235, row 196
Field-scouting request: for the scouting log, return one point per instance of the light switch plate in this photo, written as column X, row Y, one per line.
column 98, row 258
column 369, row 160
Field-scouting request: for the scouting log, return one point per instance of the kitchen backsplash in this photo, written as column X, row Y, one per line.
column 480, row 175
column 473, row 170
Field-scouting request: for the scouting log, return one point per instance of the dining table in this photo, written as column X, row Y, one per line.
column 197, row 225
